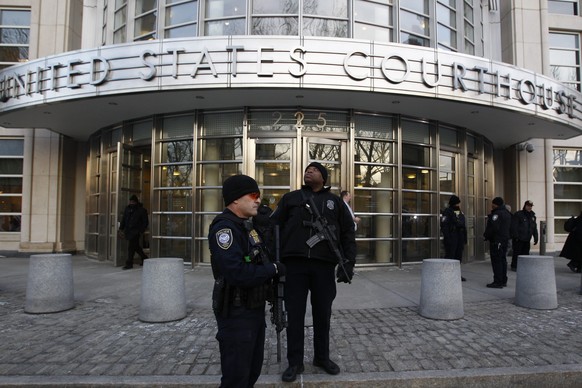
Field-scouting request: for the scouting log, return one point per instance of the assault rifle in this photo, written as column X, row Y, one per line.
column 324, row 232
column 278, row 312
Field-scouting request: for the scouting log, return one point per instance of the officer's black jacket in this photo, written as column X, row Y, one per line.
column 290, row 214
column 227, row 257
column 498, row 225
column 524, row 226
column 453, row 225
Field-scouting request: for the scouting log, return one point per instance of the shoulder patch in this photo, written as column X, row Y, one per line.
column 224, row 238
column 330, row 204
column 495, row 217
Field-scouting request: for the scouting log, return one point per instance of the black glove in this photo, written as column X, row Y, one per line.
column 281, row 269
column 341, row 275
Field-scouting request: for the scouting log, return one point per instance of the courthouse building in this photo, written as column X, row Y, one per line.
column 405, row 101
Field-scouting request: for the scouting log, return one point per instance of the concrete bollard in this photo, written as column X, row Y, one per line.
column 163, row 294
column 50, row 284
column 535, row 286
column 441, row 293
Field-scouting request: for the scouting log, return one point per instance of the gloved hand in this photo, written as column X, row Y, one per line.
column 341, row 275
column 281, row 269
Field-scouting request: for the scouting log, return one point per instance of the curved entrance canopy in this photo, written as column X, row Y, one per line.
column 79, row 92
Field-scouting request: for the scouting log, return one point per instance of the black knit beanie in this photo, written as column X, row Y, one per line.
column 454, row 200
column 498, row 201
column 321, row 169
column 237, row 186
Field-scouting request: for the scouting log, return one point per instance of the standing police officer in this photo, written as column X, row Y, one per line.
column 311, row 269
column 242, row 283
column 524, row 226
column 454, row 230
column 497, row 233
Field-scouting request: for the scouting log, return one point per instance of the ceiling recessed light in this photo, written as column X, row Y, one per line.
column 200, row 97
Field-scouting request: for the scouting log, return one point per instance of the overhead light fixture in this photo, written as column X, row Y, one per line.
column 411, row 176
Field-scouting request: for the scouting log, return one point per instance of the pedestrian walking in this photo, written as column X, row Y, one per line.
column 454, row 230
column 310, row 264
column 133, row 224
column 523, row 227
column 497, row 232
column 242, row 283
column 572, row 249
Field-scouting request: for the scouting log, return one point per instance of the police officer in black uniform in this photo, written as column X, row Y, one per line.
column 524, row 226
column 497, row 233
column 312, row 269
column 454, row 230
column 242, row 276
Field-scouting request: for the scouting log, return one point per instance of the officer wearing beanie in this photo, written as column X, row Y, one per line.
column 242, row 283
column 497, row 233
column 524, row 226
column 454, row 230
column 312, row 269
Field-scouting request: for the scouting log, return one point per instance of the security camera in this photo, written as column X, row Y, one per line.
column 529, row 147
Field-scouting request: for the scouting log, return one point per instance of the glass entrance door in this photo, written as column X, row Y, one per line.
column 125, row 179
column 279, row 164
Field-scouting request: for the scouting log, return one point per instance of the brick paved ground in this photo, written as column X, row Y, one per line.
column 102, row 338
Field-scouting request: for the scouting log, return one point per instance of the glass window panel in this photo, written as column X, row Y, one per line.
column 414, row 23
column 414, row 155
column 182, row 13
column 142, row 131
column 417, row 226
column 120, row 17
column 272, row 121
column 333, row 8
column 14, row 35
column 469, row 31
column 420, row 6
column 325, row 27
column 449, row 137
column 216, row 173
column 11, row 166
column 373, row 201
column 211, row 201
column 175, row 200
column 176, row 176
column 142, row 6
column 11, row 147
column 567, row 209
column 221, row 149
column 447, row 181
column 567, row 157
column 447, row 36
column 10, row 204
column 9, row 223
column 374, row 127
column 275, row 26
column 176, row 248
column 10, row 185
column 375, row 252
column 567, row 191
column 446, row 16
column 413, row 202
column 471, row 185
column 369, row 32
column 225, row 8
column 272, row 174
column 565, row 74
column 182, row 32
column 415, row 132
column 280, row 151
column 225, row 27
column 376, row 152
column 177, row 151
column 372, row 13
column 567, row 174
column 275, row 7
column 563, row 40
column 564, row 7
column 563, row 57
column 413, row 179
column 374, row 176
column 120, row 36
column 175, row 225
column 222, row 124
column 145, row 24
column 13, row 54
column 178, row 126
column 14, row 18
column 413, row 251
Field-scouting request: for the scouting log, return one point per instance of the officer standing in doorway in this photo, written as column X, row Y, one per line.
column 310, row 268
column 242, row 284
column 497, row 233
column 454, row 230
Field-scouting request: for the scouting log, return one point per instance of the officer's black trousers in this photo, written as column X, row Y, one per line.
column 519, row 248
column 303, row 276
column 498, row 252
column 241, row 338
column 133, row 247
column 454, row 246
